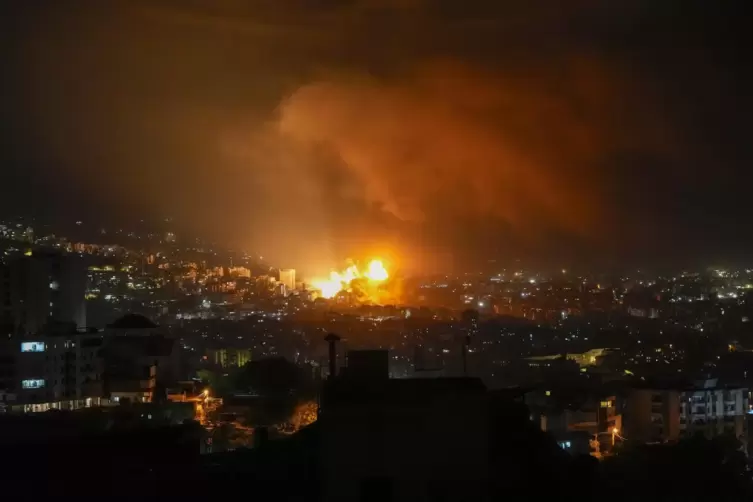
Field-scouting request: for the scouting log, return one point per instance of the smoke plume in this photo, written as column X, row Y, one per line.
column 451, row 143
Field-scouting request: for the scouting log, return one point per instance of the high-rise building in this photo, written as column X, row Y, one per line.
column 39, row 290
column 230, row 357
column 287, row 277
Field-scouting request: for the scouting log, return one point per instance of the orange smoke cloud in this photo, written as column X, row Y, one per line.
column 452, row 140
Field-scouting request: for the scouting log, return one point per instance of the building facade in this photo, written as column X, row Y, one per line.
column 652, row 415
column 287, row 277
column 230, row 357
column 669, row 414
column 70, row 369
column 42, row 289
column 714, row 410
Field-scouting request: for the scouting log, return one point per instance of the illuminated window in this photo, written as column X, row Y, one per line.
column 606, row 404
column 32, row 347
column 32, row 384
column 549, row 393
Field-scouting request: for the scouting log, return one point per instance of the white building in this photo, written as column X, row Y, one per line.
column 714, row 409
column 287, row 277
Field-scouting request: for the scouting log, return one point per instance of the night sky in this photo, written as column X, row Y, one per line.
column 441, row 133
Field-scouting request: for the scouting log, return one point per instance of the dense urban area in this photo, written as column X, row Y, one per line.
column 151, row 331
column 376, row 250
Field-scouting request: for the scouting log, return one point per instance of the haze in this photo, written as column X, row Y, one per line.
column 437, row 133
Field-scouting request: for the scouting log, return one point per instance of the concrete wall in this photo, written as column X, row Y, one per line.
column 414, row 449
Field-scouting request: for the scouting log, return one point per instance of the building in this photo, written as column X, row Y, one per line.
column 137, row 335
column 57, row 370
column 129, row 379
column 67, row 368
column 379, row 435
column 564, row 410
column 132, row 325
column 652, row 414
column 239, row 272
column 672, row 413
column 230, row 357
column 41, row 289
column 287, row 277
column 713, row 410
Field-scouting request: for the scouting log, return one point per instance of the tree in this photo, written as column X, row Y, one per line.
column 220, row 383
column 273, row 377
column 693, row 469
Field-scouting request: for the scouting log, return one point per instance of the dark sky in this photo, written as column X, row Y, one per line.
column 436, row 132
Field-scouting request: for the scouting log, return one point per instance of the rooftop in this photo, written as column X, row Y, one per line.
column 132, row 321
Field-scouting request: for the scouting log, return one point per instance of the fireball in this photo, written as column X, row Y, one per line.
column 376, row 271
column 341, row 281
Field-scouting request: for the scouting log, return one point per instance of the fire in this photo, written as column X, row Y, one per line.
column 339, row 281
column 376, row 271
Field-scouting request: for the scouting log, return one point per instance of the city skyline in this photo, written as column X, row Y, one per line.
column 376, row 250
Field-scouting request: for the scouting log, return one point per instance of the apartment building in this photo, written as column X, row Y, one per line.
column 714, row 409
column 67, row 368
column 668, row 414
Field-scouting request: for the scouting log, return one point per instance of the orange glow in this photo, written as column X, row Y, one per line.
column 341, row 281
column 376, row 271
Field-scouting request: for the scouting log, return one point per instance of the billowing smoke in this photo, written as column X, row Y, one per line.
column 409, row 130
column 450, row 144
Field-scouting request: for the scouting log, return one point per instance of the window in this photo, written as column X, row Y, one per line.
column 32, row 347
column 32, row 384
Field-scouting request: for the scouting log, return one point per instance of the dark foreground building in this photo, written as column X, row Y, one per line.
column 376, row 439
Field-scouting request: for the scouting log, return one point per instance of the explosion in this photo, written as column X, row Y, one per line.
column 375, row 273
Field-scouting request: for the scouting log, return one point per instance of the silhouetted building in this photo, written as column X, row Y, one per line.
column 132, row 324
column 41, row 289
column 652, row 415
column 402, row 439
column 367, row 365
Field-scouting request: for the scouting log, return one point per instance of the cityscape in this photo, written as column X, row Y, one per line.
column 501, row 254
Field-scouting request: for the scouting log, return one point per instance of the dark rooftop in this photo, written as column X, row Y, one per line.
column 132, row 321
column 404, row 390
